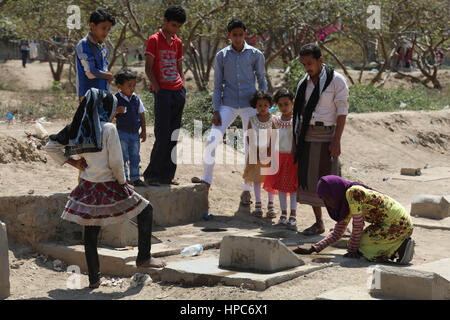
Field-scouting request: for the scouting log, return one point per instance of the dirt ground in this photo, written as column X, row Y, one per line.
column 377, row 145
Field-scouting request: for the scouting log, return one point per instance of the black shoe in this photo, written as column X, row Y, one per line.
column 152, row 182
column 139, row 183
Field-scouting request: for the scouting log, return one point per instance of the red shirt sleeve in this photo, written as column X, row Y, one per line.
column 150, row 48
column 180, row 51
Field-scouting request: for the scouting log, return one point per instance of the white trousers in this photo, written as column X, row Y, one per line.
column 228, row 115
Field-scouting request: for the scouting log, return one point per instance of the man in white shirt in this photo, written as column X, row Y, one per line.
column 320, row 112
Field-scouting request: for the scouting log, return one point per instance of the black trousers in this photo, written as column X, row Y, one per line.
column 145, row 219
column 169, row 107
column 24, row 57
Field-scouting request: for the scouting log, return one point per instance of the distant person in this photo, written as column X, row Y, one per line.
column 130, row 117
column 139, row 55
column 320, row 112
column 387, row 238
column 33, row 50
column 102, row 197
column 404, row 55
column 164, row 69
column 24, row 50
column 439, row 57
column 285, row 180
column 91, row 54
column 262, row 123
column 237, row 68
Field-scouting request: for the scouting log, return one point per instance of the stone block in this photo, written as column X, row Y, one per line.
column 256, row 254
column 4, row 263
column 431, row 206
column 121, row 235
column 431, row 282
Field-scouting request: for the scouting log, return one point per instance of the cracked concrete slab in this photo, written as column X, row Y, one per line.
column 206, row 271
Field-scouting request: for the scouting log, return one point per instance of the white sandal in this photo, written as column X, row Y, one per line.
column 258, row 210
column 271, row 214
column 283, row 219
column 292, row 223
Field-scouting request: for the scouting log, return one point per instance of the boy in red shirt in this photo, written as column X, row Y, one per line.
column 164, row 69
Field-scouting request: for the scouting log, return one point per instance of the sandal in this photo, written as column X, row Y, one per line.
column 283, row 219
column 292, row 223
column 270, row 211
column 246, row 198
column 258, row 210
column 313, row 230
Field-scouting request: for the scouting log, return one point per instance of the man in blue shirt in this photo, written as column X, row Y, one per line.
column 91, row 54
column 236, row 69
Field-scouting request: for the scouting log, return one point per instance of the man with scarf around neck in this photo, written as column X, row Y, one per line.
column 320, row 112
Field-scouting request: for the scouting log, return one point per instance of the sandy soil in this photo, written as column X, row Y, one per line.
column 378, row 145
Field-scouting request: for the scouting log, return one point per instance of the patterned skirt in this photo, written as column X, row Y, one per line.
column 286, row 178
column 317, row 164
column 102, row 203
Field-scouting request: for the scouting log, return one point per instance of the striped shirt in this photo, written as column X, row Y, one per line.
column 338, row 232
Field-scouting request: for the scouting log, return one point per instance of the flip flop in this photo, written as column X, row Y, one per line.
column 313, row 230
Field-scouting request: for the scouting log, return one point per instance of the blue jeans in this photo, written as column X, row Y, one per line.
column 131, row 146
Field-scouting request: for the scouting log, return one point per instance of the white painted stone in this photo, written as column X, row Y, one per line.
column 256, row 254
column 426, row 282
column 4, row 263
column 431, row 206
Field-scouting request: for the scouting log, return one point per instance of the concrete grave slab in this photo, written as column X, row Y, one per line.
column 431, row 206
column 426, row 223
column 206, row 271
column 430, row 281
column 4, row 263
column 112, row 262
column 426, row 281
column 257, row 254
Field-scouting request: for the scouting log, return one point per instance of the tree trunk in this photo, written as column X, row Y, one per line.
column 344, row 69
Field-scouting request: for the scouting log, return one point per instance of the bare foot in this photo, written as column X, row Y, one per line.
column 151, row 263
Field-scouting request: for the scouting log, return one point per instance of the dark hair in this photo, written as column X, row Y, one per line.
column 101, row 15
column 124, row 75
column 236, row 23
column 312, row 49
column 258, row 95
column 175, row 13
column 283, row 92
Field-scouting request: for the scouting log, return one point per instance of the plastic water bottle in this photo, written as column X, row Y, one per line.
column 194, row 250
column 40, row 131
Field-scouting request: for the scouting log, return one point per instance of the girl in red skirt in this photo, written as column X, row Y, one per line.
column 284, row 182
column 102, row 196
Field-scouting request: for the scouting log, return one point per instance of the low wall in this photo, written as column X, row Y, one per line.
column 35, row 218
